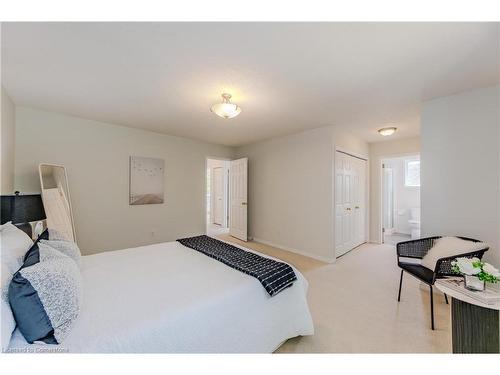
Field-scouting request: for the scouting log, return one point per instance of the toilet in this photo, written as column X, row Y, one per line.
column 414, row 222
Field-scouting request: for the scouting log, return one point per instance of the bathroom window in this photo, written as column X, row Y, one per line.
column 412, row 173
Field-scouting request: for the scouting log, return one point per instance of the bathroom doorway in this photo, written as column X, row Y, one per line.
column 217, row 196
column 400, row 199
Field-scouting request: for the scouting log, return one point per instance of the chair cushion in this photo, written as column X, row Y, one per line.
column 448, row 247
column 419, row 271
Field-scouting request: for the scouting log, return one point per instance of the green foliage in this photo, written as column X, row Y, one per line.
column 483, row 276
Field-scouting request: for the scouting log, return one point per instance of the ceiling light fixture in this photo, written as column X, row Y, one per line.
column 387, row 131
column 226, row 109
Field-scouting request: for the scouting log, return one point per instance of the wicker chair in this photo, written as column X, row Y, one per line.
column 417, row 249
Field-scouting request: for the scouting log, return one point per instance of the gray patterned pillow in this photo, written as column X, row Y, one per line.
column 48, row 253
column 46, row 297
column 56, row 235
column 65, row 247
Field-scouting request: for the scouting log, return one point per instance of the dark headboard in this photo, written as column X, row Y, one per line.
column 22, row 209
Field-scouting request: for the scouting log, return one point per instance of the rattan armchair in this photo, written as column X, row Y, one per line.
column 417, row 249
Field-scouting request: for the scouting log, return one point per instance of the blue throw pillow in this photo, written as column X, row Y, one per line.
column 45, row 295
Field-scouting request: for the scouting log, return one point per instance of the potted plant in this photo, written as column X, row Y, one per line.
column 475, row 272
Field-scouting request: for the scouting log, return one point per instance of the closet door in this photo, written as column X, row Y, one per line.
column 359, row 202
column 344, row 229
column 350, row 202
column 339, row 209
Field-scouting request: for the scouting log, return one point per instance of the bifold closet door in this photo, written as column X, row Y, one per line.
column 350, row 202
column 359, row 198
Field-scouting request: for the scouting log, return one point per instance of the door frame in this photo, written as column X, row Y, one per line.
column 205, row 199
column 382, row 206
column 366, row 158
column 381, row 187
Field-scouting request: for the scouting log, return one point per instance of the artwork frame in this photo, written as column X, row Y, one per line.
column 146, row 180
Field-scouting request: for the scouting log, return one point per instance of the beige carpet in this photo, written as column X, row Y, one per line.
column 354, row 305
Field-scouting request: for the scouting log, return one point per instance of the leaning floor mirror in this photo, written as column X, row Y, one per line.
column 56, row 200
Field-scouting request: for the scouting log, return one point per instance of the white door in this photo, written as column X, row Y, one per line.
column 238, row 180
column 350, row 202
column 218, row 195
column 343, row 204
column 359, row 212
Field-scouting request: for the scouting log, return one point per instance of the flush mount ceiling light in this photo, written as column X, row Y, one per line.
column 387, row 131
column 226, row 109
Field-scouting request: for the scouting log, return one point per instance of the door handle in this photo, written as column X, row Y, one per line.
column 357, row 207
column 243, row 203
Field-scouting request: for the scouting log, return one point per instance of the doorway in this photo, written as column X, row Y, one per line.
column 226, row 197
column 400, row 199
column 217, row 197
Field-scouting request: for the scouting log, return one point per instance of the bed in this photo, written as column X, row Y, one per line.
column 168, row 298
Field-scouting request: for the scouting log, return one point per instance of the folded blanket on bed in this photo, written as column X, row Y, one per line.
column 273, row 275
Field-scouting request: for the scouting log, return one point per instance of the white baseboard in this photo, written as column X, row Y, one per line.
column 296, row 251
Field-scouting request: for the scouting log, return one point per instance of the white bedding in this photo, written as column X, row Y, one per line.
column 167, row 298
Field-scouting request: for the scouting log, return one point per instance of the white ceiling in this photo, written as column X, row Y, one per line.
column 286, row 77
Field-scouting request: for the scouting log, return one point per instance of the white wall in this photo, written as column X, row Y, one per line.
column 7, row 144
column 96, row 156
column 345, row 141
column 405, row 197
column 290, row 202
column 461, row 167
column 290, row 182
column 379, row 151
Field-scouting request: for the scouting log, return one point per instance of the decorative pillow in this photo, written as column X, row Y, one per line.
column 46, row 296
column 5, row 225
column 8, row 322
column 14, row 252
column 67, row 248
column 15, row 243
column 56, row 235
column 445, row 247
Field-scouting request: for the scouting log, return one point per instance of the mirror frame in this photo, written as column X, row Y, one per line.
column 69, row 194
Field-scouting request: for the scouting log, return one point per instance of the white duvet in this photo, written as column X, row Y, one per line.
column 167, row 298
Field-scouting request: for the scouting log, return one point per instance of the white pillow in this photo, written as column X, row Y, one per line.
column 6, row 317
column 8, row 324
column 445, row 247
column 14, row 245
column 5, row 225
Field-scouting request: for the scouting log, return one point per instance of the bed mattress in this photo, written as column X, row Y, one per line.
column 167, row 298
